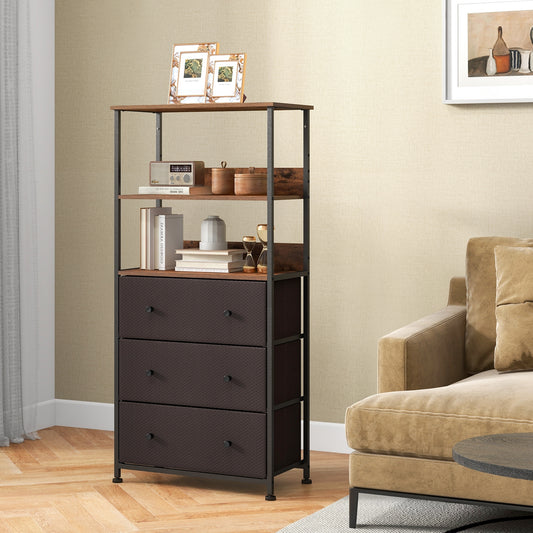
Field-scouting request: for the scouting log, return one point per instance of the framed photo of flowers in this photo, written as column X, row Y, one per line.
column 189, row 72
column 225, row 82
column 488, row 51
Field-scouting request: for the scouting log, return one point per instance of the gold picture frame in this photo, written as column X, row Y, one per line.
column 184, row 87
column 225, row 82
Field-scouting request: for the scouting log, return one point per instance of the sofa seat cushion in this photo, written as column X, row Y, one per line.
column 428, row 422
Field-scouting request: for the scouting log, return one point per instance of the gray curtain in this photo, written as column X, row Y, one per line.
column 16, row 164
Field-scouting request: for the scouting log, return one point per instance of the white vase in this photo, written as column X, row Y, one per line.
column 491, row 64
column 213, row 234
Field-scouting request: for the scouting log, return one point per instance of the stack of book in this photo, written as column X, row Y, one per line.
column 161, row 234
column 177, row 190
column 195, row 260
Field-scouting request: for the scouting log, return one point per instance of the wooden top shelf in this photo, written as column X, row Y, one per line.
column 184, row 108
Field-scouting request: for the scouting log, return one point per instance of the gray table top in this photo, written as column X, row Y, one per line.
column 507, row 454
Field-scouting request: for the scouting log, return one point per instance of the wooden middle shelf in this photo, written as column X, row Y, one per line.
column 232, row 197
column 288, row 185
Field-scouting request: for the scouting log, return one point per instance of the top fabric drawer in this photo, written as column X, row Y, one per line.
column 206, row 311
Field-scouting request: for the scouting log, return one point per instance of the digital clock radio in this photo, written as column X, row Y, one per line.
column 182, row 173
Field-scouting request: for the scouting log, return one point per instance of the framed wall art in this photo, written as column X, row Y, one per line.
column 488, row 51
column 226, row 78
column 188, row 72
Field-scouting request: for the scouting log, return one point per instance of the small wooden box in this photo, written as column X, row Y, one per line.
column 250, row 183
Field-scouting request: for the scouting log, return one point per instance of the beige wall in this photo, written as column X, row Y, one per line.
column 400, row 181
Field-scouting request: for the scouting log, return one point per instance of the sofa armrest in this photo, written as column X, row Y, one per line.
column 425, row 354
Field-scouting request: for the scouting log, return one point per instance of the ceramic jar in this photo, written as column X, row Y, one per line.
column 213, row 234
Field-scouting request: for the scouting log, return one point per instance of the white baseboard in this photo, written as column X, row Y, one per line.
column 41, row 416
column 325, row 436
column 90, row 415
column 328, row 437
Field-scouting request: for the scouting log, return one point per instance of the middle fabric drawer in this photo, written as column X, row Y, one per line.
column 200, row 375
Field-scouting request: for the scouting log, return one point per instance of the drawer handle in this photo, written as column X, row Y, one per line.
column 227, row 443
column 227, row 378
column 227, row 313
column 149, row 309
column 149, row 436
column 149, row 372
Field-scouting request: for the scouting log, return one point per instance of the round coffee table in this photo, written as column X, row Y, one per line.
column 504, row 454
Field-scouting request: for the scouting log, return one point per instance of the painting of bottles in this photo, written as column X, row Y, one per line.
column 500, row 44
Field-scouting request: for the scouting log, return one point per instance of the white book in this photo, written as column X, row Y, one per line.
column 188, row 269
column 148, row 215
column 222, row 266
column 169, row 236
column 193, row 190
column 223, row 256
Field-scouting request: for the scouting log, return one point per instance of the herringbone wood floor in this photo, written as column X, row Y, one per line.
column 62, row 484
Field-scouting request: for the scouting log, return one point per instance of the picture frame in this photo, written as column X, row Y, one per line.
column 226, row 78
column 204, row 50
column 471, row 32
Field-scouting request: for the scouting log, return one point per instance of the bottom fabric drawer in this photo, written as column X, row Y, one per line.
column 205, row 440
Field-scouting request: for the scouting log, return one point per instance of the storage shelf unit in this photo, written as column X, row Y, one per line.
column 165, row 424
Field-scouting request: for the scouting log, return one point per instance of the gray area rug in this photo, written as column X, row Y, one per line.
column 383, row 514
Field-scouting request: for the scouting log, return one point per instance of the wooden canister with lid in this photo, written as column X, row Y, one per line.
column 222, row 179
column 251, row 183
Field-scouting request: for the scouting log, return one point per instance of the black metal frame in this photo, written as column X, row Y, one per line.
column 304, row 463
column 355, row 491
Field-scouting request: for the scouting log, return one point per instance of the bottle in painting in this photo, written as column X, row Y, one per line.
column 491, row 64
column 501, row 53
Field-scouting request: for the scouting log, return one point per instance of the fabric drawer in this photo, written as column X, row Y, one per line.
column 201, row 375
column 206, row 375
column 206, row 440
column 193, row 439
column 207, row 311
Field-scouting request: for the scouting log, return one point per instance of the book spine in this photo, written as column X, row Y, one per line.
column 142, row 258
column 161, row 243
column 164, row 190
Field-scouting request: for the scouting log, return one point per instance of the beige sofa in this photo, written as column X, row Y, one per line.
column 437, row 386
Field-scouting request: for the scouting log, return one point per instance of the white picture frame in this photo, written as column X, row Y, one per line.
column 192, row 75
column 177, row 51
column 470, row 30
column 225, row 82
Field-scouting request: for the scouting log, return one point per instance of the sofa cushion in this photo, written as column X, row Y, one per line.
column 514, row 308
column 480, row 335
column 428, row 422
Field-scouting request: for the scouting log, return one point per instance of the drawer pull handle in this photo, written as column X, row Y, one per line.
column 227, row 443
column 149, row 436
column 149, row 309
column 227, row 378
column 227, row 313
column 149, row 372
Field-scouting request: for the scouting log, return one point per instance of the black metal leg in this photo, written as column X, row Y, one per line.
column 117, row 478
column 270, row 496
column 307, row 479
column 354, row 499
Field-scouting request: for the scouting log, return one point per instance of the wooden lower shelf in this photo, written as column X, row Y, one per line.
column 241, row 276
column 204, row 275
